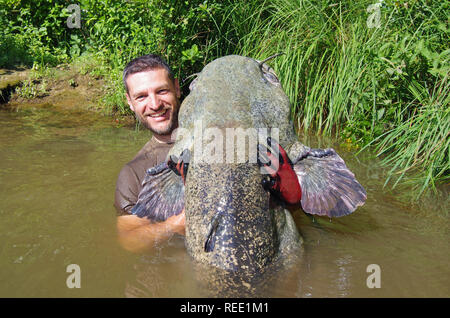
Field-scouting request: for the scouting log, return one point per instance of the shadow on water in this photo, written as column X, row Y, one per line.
column 57, row 176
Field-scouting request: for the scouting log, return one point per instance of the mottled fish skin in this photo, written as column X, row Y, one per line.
column 245, row 237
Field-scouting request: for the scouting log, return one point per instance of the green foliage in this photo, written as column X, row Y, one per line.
column 177, row 30
column 32, row 89
column 14, row 51
column 423, row 141
column 117, row 30
column 187, row 33
column 37, row 29
column 384, row 86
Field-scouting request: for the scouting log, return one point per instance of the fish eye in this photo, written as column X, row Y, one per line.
column 271, row 77
column 269, row 74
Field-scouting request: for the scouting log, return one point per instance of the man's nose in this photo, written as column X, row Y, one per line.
column 154, row 103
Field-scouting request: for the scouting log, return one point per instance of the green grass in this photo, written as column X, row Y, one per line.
column 420, row 144
column 384, row 88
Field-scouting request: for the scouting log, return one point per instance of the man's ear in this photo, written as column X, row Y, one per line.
column 129, row 101
column 177, row 88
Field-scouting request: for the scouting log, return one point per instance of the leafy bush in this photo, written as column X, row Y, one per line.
column 14, row 51
column 37, row 29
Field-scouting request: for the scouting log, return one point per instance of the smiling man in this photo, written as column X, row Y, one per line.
column 153, row 95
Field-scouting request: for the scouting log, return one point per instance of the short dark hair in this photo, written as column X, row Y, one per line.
column 145, row 63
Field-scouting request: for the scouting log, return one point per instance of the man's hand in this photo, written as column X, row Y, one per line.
column 282, row 182
column 177, row 223
column 139, row 234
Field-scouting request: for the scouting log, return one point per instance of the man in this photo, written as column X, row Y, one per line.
column 153, row 95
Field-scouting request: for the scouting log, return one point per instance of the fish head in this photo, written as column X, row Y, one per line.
column 234, row 92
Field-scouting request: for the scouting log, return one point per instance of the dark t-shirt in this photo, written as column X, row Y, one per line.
column 129, row 182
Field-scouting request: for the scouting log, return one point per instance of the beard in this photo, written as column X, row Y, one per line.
column 170, row 126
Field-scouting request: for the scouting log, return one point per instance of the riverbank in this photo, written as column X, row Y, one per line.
column 64, row 87
column 10, row 79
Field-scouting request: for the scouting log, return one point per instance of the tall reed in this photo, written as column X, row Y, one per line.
column 383, row 86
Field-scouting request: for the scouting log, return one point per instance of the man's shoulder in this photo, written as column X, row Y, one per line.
column 150, row 155
column 129, row 182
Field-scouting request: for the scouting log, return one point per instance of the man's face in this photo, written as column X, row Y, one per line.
column 154, row 98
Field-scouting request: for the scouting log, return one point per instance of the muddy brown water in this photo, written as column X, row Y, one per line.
column 57, row 177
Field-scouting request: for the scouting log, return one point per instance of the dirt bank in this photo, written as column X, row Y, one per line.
column 65, row 87
column 9, row 80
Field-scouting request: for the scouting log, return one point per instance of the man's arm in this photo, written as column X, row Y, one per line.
column 134, row 233
column 139, row 234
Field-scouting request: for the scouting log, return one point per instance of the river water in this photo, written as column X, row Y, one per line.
column 57, row 176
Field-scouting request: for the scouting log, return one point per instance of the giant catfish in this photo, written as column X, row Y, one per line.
column 232, row 221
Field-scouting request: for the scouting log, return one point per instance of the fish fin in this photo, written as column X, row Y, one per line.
column 210, row 242
column 162, row 195
column 328, row 186
column 211, row 237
